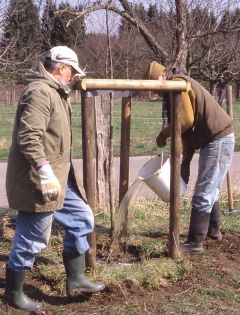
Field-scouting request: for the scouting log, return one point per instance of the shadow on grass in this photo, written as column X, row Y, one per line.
column 37, row 294
column 3, row 258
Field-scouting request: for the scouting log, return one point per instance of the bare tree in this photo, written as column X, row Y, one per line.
column 215, row 53
column 127, row 12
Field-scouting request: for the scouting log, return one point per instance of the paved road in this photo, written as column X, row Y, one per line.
column 135, row 165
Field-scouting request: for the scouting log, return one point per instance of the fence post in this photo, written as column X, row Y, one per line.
column 124, row 153
column 87, row 108
column 229, row 177
column 175, row 175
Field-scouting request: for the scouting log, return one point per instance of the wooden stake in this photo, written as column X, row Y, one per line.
column 175, row 176
column 89, row 168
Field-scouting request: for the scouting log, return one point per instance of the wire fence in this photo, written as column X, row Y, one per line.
column 146, row 122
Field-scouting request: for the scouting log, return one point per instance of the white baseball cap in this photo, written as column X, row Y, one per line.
column 66, row 55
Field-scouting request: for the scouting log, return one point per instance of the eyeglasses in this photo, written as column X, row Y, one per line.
column 73, row 71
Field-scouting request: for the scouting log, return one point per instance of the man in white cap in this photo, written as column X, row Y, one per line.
column 41, row 182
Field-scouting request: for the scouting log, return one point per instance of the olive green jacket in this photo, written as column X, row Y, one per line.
column 41, row 133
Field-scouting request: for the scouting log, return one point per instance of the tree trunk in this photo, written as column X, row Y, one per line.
column 180, row 63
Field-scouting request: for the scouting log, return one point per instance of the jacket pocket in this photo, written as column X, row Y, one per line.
column 54, row 157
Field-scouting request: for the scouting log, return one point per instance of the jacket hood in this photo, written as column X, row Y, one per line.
column 41, row 74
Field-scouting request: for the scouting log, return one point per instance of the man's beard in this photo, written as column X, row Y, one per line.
column 66, row 85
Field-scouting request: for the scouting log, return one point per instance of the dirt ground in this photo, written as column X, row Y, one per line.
column 214, row 269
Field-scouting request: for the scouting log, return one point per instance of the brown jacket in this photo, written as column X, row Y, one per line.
column 42, row 132
column 210, row 122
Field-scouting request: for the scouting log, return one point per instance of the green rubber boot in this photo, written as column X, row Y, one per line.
column 77, row 283
column 14, row 291
column 214, row 223
column 198, row 228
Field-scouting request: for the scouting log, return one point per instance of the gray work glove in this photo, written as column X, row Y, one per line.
column 48, row 183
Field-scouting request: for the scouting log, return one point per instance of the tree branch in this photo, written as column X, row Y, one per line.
column 129, row 16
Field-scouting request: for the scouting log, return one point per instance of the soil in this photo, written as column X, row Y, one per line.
column 223, row 260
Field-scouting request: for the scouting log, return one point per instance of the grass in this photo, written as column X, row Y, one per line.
column 144, row 127
column 140, row 264
column 146, row 273
column 157, row 284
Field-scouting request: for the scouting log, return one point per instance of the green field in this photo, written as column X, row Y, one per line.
column 146, row 122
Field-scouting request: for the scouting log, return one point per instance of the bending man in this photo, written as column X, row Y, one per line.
column 207, row 127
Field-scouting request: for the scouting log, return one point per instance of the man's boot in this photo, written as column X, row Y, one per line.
column 214, row 223
column 14, row 291
column 77, row 283
column 198, row 228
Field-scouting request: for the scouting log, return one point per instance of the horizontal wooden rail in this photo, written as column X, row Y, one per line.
column 122, row 84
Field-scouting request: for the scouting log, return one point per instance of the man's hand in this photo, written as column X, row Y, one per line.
column 161, row 140
column 49, row 184
column 185, row 172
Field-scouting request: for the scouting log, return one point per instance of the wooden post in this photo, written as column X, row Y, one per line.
column 124, row 153
column 123, row 85
column 175, row 175
column 102, row 125
column 229, row 177
column 87, row 107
